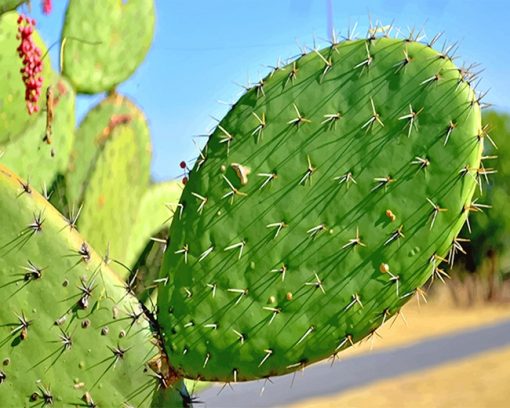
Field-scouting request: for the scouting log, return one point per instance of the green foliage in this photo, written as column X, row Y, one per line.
column 285, row 252
column 490, row 232
column 105, row 41
column 69, row 331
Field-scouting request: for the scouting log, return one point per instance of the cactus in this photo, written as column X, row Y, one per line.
column 152, row 217
column 108, row 173
column 328, row 195
column 119, row 43
column 14, row 119
column 9, row 5
column 70, row 332
column 27, row 145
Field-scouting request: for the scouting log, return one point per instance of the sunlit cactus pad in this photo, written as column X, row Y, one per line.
column 105, row 41
column 40, row 152
column 14, row 118
column 331, row 191
column 70, row 333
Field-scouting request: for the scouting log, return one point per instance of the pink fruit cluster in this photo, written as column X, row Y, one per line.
column 30, row 55
column 46, row 6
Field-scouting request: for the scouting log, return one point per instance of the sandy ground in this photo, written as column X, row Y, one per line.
column 477, row 382
column 480, row 381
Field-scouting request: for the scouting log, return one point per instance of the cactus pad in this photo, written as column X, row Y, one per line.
column 14, row 119
column 105, row 41
column 154, row 215
column 331, row 191
column 70, row 334
column 39, row 159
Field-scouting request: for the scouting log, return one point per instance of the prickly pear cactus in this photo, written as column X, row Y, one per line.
column 109, row 172
column 154, row 214
column 14, row 119
column 104, row 42
column 71, row 334
column 325, row 198
column 37, row 156
column 95, row 131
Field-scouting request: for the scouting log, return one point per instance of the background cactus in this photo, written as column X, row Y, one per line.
column 329, row 194
column 98, row 63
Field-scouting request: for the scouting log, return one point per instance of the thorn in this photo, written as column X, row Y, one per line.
column 374, row 118
column 207, row 356
column 317, row 283
column 383, row 182
column 436, row 210
column 434, row 39
column 241, row 339
column 36, row 225
column 456, row 247
column 403, row 64
column 262, row 124
column 233, row 191
column 33, row 272
column 227, row 138
column 184, row 250
column 299, row 119
column 278, row 225
column 282, row 270
column 355, row 300
column 421, row 294
column 268, row 354
column 26, row 188
column 243, row 292
column 274, row 310
column 328, row 64
column 433, row 78
column 411, row 117
column 203, row 201
column 366, row 62
column 292, row 74
column 347, row 178
column 342, row 343
column 239, row 245
column 354, row 241
column 421, row 161
column 316, row 230
column 395, row 235
column 309, row 172
column 269, row 177
column 331, row 118
column 205, row 253
column 213, row 326
column 307, row 333
column 213, row 287
column 452, row 125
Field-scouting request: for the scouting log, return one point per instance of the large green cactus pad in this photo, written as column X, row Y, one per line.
column 30, row 155
column 14, row 118
column 328, row 194
column 70, row 334
column 105, row 41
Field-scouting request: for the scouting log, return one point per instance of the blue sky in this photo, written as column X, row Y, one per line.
column 204, row 49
